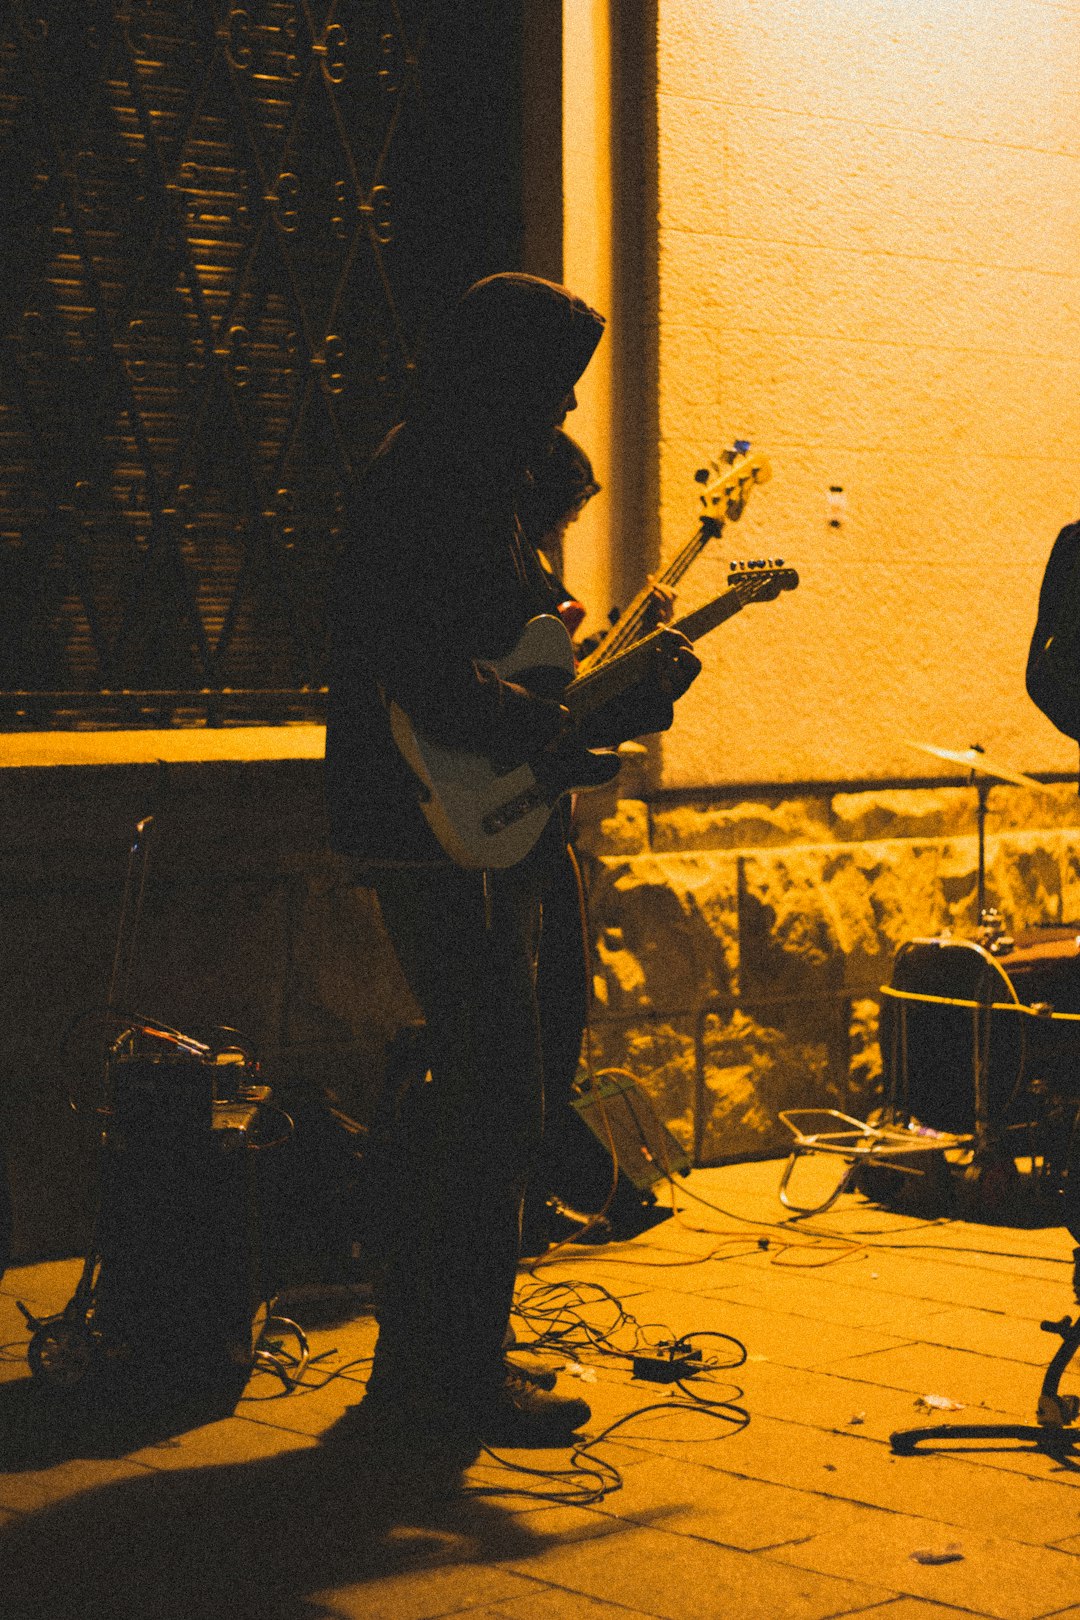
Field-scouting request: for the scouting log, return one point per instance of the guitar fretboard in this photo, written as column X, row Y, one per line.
column 631, row 625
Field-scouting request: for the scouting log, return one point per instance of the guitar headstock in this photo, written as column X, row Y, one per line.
column 728, row 482
column 761, row 580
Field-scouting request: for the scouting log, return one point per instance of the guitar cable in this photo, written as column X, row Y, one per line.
column 808, row 1239
column 593, row 1219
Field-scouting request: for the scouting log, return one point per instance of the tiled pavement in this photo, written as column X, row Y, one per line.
column 802, row 1512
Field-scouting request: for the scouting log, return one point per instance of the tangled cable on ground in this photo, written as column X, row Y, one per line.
column 591, row 1327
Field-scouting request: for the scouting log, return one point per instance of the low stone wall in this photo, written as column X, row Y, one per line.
column 740, row 943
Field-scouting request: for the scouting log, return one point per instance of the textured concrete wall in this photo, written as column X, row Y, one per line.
column 869, row 265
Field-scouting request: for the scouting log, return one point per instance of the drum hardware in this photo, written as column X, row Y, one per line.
column 982, row 770
column 992, row 933
column 1050, row 1432
column 988, row 1043
column 985, row 1052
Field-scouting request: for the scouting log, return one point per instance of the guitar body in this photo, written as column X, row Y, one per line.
column 484, row 818
column 487, row 819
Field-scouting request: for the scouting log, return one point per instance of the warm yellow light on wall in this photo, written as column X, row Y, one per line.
column 869, row 265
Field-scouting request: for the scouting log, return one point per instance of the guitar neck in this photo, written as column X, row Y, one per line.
column 725, row 493
column 591, row 689
column 718, row 611
column 630, row 624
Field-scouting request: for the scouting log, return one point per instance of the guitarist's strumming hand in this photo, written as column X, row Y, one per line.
column 567, row 762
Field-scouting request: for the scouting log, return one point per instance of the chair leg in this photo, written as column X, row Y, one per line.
column 817, row 1209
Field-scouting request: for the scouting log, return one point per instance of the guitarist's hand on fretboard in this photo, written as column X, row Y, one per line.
column 648, row 705
column 660, row 604
column 659, row 608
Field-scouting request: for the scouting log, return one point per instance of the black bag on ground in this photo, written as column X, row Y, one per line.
column 1053, row 666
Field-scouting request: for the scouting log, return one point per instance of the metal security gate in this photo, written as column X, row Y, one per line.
column 226, row 229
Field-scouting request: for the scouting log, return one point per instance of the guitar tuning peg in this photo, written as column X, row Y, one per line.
column 702, row 475
column 742, row 446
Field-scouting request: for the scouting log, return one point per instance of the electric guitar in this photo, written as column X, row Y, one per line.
column 727, row 489
column 487, row 819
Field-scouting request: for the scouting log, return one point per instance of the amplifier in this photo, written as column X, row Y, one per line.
column 178, row 1282
column 620, row 1116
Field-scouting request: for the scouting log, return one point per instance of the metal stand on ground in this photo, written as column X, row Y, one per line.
column 1050, row 1433
column 859, row 1144
column 175, row 1149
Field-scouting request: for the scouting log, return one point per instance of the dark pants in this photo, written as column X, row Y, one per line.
column 447, row 1239
column 562, row 996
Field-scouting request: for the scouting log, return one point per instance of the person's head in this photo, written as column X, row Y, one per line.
column 562, row 483
column 501, row 370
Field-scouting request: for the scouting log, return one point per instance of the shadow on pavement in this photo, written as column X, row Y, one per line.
column 245, row 1541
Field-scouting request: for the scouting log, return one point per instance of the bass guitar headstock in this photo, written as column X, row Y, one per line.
column 728, row 482
column 761, row 580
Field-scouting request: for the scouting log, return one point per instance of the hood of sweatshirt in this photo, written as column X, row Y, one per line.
column 505, row 358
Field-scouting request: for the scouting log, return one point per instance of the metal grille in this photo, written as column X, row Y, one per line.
column 227, row 229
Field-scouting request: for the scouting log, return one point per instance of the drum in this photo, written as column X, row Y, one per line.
column 1044, row 969
column 1044, row 966
column 977, row 1039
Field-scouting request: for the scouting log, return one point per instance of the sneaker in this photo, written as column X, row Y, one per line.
column 522, row 1413
column 531, row 1368
column 408, row 1437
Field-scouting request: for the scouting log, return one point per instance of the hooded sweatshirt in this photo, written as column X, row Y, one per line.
column 438, row 578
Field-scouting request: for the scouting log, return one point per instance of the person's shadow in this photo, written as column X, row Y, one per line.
column 244, row 1541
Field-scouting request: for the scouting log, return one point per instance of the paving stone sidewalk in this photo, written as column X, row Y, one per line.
column 766, row 1490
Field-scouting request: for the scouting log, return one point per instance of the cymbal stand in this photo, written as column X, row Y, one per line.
column 64, row 1348
column 990, row 930
column 982, row 786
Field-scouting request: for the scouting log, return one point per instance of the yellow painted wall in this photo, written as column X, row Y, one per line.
column 869, row 265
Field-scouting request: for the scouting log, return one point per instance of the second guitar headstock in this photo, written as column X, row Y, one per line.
column 762, row 579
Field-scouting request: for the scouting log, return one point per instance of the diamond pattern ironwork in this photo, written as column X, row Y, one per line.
column 228, row 227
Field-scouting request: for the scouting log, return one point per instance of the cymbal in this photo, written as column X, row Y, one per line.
column 976, row 760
